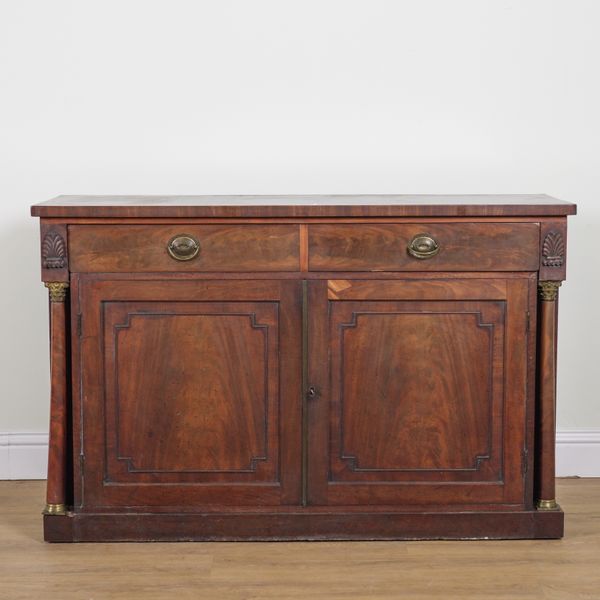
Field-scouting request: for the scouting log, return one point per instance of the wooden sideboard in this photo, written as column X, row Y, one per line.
column 302, row 367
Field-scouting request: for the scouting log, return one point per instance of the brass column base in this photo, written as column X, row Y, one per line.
column 55, row 509
column 547, row 505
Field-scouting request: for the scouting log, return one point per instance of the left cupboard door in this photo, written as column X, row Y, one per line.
column 190, row 393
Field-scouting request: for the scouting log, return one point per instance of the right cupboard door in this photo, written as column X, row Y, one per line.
column 417, row 391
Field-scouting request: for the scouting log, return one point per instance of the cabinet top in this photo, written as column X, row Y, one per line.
column 384, row 205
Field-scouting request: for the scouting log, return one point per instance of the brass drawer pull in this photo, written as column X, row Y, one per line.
column 183, row 247
column 423, row 246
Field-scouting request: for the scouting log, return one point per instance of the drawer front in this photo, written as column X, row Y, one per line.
column 192, row 248
column 424, row 247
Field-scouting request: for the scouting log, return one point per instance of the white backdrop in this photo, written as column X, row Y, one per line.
column 312, row 96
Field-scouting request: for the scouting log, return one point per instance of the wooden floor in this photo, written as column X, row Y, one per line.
column 568, row 568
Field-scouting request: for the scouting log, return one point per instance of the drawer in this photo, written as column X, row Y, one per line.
column 424, row 247
column 145, row 248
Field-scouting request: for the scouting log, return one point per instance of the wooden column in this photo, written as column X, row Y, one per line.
column 546, row 430
column 57, row 445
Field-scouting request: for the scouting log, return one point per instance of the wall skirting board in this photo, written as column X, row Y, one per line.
column 578, row 452
column 24, row 455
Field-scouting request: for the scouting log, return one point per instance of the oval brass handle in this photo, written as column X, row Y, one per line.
column 183, row 247
column 423, row 246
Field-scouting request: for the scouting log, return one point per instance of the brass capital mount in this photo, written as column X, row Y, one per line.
column 548, row 290
column 58, row 290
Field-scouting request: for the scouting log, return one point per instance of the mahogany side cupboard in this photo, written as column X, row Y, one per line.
column 302, row 367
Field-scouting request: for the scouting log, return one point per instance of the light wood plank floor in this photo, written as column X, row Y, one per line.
column 552, row 570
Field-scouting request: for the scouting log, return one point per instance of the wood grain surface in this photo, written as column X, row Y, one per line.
column 546, row 404
column 127, row 248
column 188, row 400
column 59, row 393
column 385, row 205
column 564, row 569
column 462, row 247
column 422, row 404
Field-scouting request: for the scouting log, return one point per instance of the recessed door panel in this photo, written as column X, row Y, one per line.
column 424, row 402
column 191, row 388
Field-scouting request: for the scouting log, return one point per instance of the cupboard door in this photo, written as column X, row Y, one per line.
column 191, row 393
column 420, row 391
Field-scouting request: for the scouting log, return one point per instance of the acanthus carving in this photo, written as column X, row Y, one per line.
column 553, row 250
column 548, row 290
column 54, row 251
column 57, row 290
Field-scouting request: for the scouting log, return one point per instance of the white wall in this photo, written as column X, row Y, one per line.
column 234, row 96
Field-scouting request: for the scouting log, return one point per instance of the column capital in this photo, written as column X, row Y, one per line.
column 548, row 290
column 58, row 290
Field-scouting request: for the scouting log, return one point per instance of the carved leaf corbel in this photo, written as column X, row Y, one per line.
column 54, row 251
column 553, row 250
